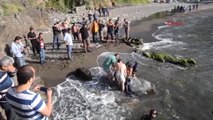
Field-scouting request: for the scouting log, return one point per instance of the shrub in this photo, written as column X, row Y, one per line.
column 11, row 8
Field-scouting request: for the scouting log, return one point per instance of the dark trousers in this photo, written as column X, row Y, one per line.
column 11, row 115
column 110, row 33
column 34, row 46
column 76, row 36
column 94, row 37
column 100, row 35
column 127, row 86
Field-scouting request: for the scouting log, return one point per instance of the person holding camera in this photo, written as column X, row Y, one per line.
column 27, row 104
column 18, row 51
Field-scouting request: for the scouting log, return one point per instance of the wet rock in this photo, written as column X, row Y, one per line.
column 134, row 42
column 83, row 74
column 165, row 57
column 140, row 87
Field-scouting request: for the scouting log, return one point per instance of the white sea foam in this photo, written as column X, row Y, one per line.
column 166, row 40
column 75, row 100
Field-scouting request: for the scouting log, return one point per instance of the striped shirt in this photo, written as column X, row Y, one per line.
column 5, row 83
column 26, row 104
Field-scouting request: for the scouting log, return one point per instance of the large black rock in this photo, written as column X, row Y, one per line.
column 83, row 74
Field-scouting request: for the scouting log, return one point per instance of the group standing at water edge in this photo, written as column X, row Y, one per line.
column 85, row 31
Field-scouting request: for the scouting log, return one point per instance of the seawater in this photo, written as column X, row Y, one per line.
column 181, row 93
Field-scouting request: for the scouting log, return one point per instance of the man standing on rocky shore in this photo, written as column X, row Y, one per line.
column 17, row 50
column 126, row 28
column 56, row 35
column 69, row 42
column 32, row 37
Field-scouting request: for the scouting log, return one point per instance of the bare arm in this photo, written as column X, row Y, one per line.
column 48, row 108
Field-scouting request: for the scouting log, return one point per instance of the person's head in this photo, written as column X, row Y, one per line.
column 116, row 55
column 153, row 113
column 84, row 25
column 6, row 63
column 128, row 66
column 56, row 23
column 31, row 29
column 25, row 75
column 110, row 20
column 40, row 35
column 94, row 21
column 17, row 39
column 124, row 20
column 119, row 61
column 69, row 30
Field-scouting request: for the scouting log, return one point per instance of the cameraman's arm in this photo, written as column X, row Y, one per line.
column 48, row 108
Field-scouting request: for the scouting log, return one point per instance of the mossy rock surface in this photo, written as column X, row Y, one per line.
column 165, row 57
column 133, row 42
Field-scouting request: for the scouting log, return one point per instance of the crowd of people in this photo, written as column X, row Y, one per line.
column 88, row 29
column 183, row 9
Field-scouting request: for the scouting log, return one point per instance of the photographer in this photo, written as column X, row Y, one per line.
column 18, row 51
column 27, row 104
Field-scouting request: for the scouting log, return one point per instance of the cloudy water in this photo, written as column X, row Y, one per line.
column 181, row 93
column 185, row 94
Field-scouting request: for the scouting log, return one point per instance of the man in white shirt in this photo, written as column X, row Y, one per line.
column 17, row 50
column 69, row 42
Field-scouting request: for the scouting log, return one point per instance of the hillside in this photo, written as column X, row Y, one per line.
column 16, row 16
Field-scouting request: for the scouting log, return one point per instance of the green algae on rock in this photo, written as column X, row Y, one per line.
column 165, row 57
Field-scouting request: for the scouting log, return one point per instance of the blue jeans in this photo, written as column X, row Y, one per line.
column 69, row 51
column 56, row 39
column 42, row 55
column 20, row 61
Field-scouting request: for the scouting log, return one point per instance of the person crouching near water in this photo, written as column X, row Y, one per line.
column 109, row 65
column 120, row 74
column 131, row 66
column 41, row 47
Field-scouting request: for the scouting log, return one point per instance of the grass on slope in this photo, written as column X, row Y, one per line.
column 11, row 8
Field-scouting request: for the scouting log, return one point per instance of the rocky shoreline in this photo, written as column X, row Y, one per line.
column 55, row 72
